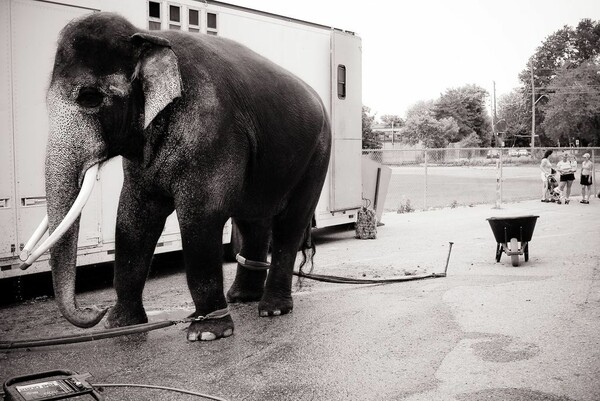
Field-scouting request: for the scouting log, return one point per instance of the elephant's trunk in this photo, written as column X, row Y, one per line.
column 74, row 145
column 63, row 221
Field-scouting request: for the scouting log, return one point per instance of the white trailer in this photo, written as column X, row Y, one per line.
column 327, row 58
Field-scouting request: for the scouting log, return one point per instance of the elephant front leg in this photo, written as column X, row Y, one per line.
column 140, row 221
column 203, row 253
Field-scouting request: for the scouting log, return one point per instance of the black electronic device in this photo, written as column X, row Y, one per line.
column 51, row 385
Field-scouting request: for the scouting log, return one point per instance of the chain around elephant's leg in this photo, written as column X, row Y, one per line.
column 203, row 255
column 249, row 282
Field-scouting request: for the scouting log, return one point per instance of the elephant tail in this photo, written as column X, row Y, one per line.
column 308, row 249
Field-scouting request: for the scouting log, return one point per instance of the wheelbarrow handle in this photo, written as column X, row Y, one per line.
column 448, row 258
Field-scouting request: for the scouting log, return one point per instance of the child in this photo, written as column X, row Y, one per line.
column 587, row 167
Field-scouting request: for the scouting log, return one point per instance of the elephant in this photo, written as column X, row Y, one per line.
column 206, row 127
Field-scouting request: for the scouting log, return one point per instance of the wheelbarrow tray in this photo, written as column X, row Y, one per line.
column 506, row 228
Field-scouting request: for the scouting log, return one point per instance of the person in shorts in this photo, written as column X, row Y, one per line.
column 566, row 168
column 587, row 167
column 546, row 171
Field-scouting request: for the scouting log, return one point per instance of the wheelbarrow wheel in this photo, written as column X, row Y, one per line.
column 526, row 251
column 498, row 252
column 514, row 246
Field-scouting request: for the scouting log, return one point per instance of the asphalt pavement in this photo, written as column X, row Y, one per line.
column 487, row 331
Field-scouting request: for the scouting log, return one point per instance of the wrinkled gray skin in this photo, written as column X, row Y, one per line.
column 207, row 128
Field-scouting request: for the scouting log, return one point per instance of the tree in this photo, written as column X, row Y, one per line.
column 369, row 140
column 573, row 110
column 466, row 105
column 513, row 109
column 566, row 48
column 472, row 141
column 388, row 119
column 422, row 126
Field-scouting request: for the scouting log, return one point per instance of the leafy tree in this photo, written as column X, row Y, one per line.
column 369, row 140
column 573, row 110
column 420, row 107
column 566, row 48
column 513, row 109
column 422, row 126
column 388, row 119
column 471, row 141
column 467, row 106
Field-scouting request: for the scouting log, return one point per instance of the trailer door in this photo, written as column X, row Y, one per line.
column 34, row 29
column 8, row 225
column 346, row 109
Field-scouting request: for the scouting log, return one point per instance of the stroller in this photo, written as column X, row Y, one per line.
column 553, row 190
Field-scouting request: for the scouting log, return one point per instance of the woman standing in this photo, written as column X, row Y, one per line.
column 566, row 168
column 586, row 178
column 546, row 170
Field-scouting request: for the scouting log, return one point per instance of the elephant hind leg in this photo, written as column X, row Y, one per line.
column 248, row 285
column 290, row 230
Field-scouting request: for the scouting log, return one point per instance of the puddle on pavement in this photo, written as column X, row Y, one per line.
column 510, row 394
column 504, row 349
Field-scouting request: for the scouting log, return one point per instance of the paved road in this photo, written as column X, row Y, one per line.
column 488, row 331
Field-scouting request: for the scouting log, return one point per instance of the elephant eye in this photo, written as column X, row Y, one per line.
column 90, row 97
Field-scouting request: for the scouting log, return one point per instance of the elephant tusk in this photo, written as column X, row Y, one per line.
column 35, row 238
column 86, row 189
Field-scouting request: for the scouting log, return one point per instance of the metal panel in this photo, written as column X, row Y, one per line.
column 8, row 226
column 345, row 181
column 346, row 192
column 34, row 30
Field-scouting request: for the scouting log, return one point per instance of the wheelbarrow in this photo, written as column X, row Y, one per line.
column 512, row 236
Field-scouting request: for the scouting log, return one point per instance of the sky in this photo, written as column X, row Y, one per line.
column 416, row 50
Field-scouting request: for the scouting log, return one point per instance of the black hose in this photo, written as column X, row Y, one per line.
column 178, row 390
column 348, row 280
column 78, row 338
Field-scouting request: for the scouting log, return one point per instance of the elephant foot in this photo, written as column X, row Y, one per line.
column 120, row 316
column 236, row 295
column 210, row 329
column 275, row 306
column 249, row 288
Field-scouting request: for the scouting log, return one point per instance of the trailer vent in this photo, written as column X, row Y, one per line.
column 211, row 23
column 175, row 18
column 194, row 21
column 154, row 16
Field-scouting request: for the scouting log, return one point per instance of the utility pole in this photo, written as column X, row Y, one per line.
column 532, row 108
column 495, row 117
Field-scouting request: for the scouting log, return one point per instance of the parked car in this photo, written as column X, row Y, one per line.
column 524, row 152
column 493, row 154
column 513, row 153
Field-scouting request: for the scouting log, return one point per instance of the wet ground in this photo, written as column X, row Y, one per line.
column 488, row 331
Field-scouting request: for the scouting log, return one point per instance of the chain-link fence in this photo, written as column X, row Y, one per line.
column 432, row 178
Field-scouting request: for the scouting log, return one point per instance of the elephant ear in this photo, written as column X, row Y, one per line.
column 158, row 71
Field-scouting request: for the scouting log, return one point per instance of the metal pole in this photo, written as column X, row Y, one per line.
column 425, row 189
column 594, row 173
column 532, row 109
column 498, row 178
